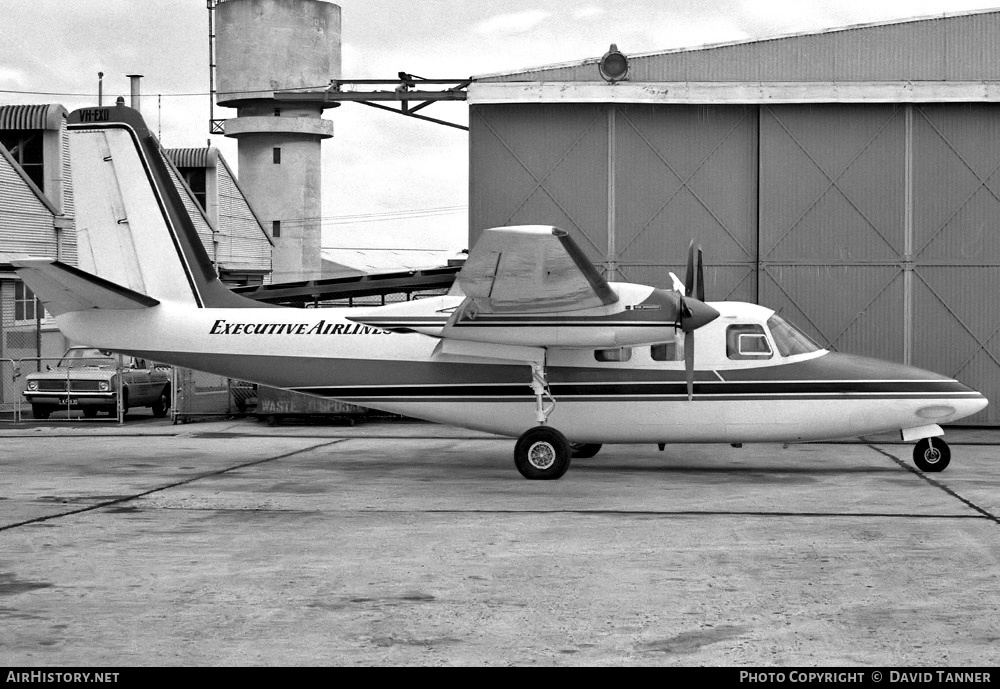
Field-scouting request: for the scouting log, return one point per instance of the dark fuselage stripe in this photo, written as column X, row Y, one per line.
column 717, row 390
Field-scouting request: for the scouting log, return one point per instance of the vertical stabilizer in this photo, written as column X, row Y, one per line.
column 132, row 226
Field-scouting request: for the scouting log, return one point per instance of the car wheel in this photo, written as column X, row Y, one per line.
column 41, row 411
column 162, row 404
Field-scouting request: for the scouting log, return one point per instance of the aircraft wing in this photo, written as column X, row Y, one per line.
column 63, row 288
column 531, row 269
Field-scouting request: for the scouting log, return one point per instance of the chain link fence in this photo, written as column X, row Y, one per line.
column 202, row 395
column 49, row 389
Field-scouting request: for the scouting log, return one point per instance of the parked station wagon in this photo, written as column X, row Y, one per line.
column 86, row 379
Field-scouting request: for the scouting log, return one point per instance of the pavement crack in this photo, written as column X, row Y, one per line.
column 937, row 484
column 175, row 484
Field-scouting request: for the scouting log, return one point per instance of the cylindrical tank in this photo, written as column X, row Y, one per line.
column 263, row 46
column 266, row 45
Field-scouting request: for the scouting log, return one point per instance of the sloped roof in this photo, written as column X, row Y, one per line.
column 49, row 116
column 950, row 47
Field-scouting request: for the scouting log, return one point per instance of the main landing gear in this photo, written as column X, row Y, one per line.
column 542, row 453
column 931, row 454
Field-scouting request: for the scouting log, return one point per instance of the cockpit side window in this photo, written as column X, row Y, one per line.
column 747, row 341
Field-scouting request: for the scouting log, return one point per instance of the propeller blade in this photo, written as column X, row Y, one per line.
column 689, row 363
column 700, row 280
column 689, row 275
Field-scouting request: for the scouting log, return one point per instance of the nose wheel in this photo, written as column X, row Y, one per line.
column 931, row 454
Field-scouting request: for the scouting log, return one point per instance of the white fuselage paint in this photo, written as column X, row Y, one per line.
column 272, row 346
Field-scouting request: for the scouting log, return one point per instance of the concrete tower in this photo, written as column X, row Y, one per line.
column 262, row 47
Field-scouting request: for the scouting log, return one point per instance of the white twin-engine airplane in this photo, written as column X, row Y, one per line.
column 532, row 343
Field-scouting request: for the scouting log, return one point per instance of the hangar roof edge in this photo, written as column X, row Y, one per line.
column 770, row 48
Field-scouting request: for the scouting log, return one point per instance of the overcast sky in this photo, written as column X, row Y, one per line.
column 408, row 179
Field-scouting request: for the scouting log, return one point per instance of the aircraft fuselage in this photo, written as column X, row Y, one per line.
column 639, row 398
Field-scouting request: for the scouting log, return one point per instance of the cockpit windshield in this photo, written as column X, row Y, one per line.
column 788, row 339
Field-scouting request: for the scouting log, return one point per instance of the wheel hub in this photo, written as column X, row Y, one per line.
column 541, row 455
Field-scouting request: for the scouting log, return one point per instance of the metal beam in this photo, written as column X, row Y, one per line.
column 725, row 92
column 407, row 89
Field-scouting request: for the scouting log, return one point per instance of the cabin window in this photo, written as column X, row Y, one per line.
column 616, row 354
column 276, row 154
column 747, row 342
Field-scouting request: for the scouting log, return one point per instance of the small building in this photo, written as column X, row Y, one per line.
column 229, row 228
column 36, row 218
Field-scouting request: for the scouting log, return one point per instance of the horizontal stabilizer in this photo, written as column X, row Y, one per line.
column 63, row 288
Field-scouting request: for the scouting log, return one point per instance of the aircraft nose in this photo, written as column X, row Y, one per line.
column 696, row 313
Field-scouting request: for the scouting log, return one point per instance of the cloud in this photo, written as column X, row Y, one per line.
column 515, row 22
column 11, row 77
column 588, row 12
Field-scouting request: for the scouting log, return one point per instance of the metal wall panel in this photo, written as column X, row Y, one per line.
column 658, row 175
column 242, row 242
column 831, row 223
column 26, row 222
column 682, row 174
column 956, row 245
column 541, row 165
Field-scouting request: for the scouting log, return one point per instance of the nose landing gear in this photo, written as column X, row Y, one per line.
column 931, row 454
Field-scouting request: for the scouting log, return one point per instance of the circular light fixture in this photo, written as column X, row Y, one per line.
column 614, row 65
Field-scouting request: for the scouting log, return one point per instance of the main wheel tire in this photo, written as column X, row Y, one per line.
column 89, row 412
column 931, row 454
column 124, row 403
column 584, row 450
column 161, row 405
column 41, row 411
column 542, row 453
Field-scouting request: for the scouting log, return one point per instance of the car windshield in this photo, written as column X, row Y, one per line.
column 788, row 339
column 78, row 358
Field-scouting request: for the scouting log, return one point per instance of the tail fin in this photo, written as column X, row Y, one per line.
column 133, row 229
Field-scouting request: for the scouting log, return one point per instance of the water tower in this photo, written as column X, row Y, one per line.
column 263, row 47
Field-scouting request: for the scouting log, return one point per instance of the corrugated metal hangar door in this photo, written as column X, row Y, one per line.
column 873, row 227
column 831, row 220
column 956, row 245
column 878, row 232
column 658, row 176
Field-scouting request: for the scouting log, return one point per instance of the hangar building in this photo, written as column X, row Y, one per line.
column 847, row 178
